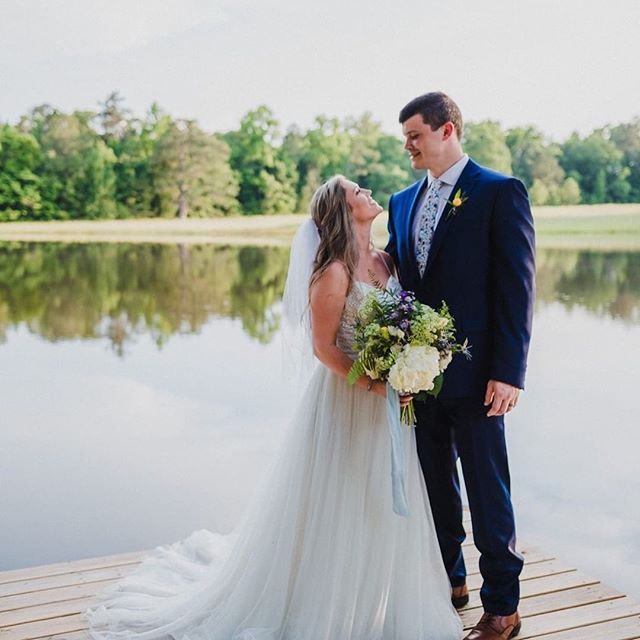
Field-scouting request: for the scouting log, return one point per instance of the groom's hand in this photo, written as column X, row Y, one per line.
column 501, row 396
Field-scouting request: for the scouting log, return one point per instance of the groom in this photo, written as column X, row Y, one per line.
column 464, row 234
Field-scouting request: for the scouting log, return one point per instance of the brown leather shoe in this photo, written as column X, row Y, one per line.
column 459, row 596
column 492, row 627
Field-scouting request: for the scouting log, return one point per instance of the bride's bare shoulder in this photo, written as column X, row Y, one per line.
column 334, row 280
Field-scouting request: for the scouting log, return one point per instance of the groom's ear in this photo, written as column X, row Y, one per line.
column 448, row 129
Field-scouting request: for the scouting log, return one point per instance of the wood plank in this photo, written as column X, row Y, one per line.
column 76, row 635
column 59, row 594
column 543, row 586
column 472, row 553
column 44, row 628
column 45, row 611
column 92, row 575
column 554, row 583
column 531, row 570
column 65, row 580
column 621, row 629
column 575, row 617
column 550, row 602
column 73, row 566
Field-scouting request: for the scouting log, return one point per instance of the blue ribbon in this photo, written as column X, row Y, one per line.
column 400, row 505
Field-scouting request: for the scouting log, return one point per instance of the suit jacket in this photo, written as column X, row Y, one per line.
column 482, row 263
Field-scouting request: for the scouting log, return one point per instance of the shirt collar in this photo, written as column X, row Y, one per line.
column 451, row 175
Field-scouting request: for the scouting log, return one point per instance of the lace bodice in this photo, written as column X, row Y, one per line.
column 346, row 331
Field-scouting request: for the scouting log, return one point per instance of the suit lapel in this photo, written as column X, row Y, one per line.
column 465, row 183
column 410, row 221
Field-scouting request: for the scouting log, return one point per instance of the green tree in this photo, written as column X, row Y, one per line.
column 267, row 181
column 112, row 117
column 394, row 171
column 355, row 147
column 324, row 152
column 136, row 190
column 539, row 193
column 192, row 173
column 626, row 138
column 568, row 192
column 19, row 185
column 532, row 158
column 77, row 167
column 597, row 165
column 485, row 142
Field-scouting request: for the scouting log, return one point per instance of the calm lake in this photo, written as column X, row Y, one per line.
column 143, row 397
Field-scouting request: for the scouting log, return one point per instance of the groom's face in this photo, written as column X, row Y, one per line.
column 421, row 142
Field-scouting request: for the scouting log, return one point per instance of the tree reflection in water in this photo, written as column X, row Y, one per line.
column 119, row 291
column 605, row 284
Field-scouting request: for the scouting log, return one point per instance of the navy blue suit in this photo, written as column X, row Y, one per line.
column 481, row 262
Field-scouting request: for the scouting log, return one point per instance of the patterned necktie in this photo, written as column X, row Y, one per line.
column 428, row 224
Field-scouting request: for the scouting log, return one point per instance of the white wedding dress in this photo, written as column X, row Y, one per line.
column 320, row 556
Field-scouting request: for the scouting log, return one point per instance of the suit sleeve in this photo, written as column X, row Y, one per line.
column 513, row 282
column 392, row 247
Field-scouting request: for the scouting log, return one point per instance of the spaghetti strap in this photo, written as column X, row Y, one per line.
column 384, row 255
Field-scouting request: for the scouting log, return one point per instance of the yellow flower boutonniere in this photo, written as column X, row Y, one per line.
column 456, row 202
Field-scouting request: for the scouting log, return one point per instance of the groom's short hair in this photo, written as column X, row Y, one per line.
column 436, row 108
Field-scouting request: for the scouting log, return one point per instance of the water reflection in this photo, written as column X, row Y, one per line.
column 118, row 292
column 606, row 284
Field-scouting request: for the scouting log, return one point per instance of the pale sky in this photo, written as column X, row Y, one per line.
column 562, row 65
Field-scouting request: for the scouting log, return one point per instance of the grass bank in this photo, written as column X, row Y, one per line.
column 604, row 227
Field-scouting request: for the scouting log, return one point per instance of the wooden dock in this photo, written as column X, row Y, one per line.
column 558, row 601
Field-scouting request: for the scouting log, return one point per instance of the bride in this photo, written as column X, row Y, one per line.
column 321, row 555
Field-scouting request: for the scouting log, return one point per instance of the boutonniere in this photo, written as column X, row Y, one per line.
column 456, row 202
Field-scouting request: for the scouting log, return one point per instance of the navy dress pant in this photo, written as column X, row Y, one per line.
column 451, row 428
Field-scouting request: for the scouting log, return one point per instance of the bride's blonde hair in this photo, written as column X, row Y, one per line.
column 331, row 213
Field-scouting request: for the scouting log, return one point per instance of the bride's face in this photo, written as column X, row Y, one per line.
column 363, row 207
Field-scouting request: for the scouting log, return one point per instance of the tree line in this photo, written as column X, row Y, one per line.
column 110, row 164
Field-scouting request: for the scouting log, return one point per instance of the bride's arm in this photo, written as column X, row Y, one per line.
column 328, row 295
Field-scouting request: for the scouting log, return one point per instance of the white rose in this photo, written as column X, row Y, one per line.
column 415, row 369
column 398, row 333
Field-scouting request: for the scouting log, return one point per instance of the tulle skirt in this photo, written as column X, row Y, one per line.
column 319, row 556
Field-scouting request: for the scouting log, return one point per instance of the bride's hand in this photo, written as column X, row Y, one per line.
column 406, row 399
column 380, row 388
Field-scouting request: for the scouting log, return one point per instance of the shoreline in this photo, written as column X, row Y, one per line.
column 601, row 227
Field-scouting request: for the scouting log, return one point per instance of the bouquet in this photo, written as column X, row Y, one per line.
column 405, row 343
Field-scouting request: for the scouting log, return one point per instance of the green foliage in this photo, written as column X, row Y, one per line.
column 192, row 173
column 108, row 163
column 486, row 143
column 134, row 147
column 357, row 370
column 626, row 138
column 267, row 182
column 598, row 167
column 76, row 168
column 20, row 196
column 535, row 162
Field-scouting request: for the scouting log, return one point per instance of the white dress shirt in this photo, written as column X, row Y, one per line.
column 448, row 179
